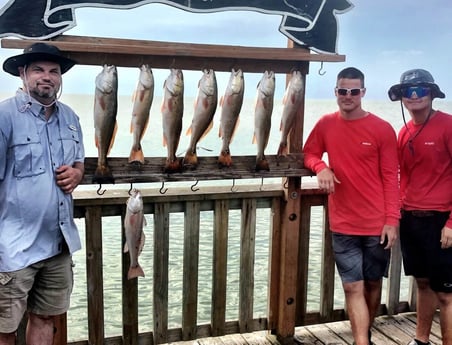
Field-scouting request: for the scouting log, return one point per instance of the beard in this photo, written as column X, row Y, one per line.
column 45, row 94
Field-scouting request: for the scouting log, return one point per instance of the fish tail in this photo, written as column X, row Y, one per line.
column 262, row 164
column 225, row 159
column 173, row 166
column 103, row 175
column 136, row 155
column 191, row 158
column 135, row 272
column 282, row 150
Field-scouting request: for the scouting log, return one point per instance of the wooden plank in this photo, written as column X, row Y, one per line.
column 327, row 335
column 129, row 295
column 328, row 272
column 133, row 53
column 303, row 337
column 395, row 271
column 161, row 261
column 219, row 274
column 396, row 329
column 303, row 262
column 94, row 273
column 190, row 270
column 153, row 169
column 274, row 268
column 247, row 247
column 342, row 329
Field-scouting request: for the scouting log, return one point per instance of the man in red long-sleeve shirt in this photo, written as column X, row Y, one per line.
column 362, row 182
column 425, row 155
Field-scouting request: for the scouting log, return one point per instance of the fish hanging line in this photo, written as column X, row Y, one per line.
column 193, row 189
column 162, row 190
column 98, row 190
column 321, row 71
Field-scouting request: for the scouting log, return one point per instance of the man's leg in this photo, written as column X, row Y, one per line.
column 40, row 329
column 445, row 307
column 427, row 303
column 7, row 338
column 358, row 311
column 372, row 291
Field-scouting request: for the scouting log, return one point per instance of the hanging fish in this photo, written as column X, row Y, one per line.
column 293, row 99
column 262, row 117
column 134, row 222
column 172, row 112
column 231, row 104
column 143, row 97
column 105, row 126
column 205, row 107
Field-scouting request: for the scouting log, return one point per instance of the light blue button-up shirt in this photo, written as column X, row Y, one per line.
column 36, row 216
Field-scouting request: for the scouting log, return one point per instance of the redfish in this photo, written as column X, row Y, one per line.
column 105, row 109
column 133, row 228
column 262, row 117
column 205, row 107
column 231, row 104
column 172, row 112
column 293, row 98
column 144, row 95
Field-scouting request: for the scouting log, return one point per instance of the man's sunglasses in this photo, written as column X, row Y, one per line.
column 419, row 91
column 353, row 92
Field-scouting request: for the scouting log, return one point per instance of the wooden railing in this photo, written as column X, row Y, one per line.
column 220, row 200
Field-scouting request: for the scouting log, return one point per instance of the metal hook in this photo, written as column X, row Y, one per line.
column 98, row 190
column 233, row 185
column 321, row 72
column 163, row 191
column 193, row 189
column 286, row 184
column 130, row 190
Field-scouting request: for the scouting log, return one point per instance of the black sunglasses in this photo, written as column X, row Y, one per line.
column 353, row 92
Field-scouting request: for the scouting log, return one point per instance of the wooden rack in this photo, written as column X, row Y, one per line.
column 187, row 56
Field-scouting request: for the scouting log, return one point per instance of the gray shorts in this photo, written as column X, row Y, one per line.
column 43, row 288
column 360, row 257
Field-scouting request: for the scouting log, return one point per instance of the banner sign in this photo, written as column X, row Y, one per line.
column 310, row 23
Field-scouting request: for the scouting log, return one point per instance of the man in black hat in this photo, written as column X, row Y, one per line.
column 41, row 163
column 425, row 155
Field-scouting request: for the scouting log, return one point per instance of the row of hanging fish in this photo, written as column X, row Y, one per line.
column 172, row 109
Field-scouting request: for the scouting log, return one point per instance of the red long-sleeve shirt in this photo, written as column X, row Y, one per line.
column 363, row 155
column 426, row 165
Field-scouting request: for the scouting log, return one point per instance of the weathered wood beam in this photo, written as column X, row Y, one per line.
column 190, row 56
column 153, row 170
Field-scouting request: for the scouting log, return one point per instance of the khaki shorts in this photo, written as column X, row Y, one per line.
column 43, row 288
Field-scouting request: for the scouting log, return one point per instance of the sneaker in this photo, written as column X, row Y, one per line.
column 418, row 342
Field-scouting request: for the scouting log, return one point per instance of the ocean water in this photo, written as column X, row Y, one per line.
column 209, row 146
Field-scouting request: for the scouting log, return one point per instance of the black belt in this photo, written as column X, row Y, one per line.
column 423, row 213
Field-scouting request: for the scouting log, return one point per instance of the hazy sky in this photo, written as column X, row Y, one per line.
column 382, row 38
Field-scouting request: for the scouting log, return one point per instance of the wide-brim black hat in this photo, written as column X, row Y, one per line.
column 37, row 52
column 415, row 77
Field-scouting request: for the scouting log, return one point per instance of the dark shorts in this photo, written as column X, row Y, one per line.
column 360, row 257
column 420, row 235
column 43, row 288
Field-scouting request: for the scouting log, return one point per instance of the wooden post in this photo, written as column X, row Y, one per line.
column 94, row 275
column 60, row 336
column 289, row 236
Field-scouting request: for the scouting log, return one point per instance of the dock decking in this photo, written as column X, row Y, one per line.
column 389, row 330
